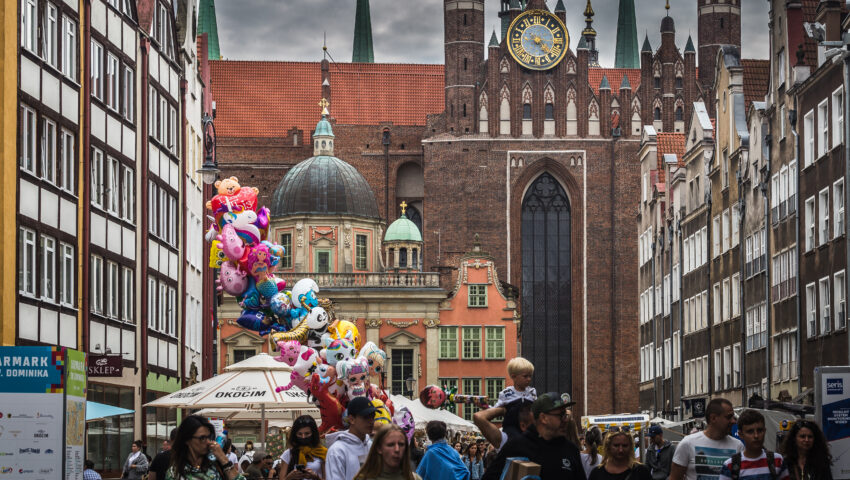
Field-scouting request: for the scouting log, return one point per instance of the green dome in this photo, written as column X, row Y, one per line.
column 323, row 128
column 403, row 230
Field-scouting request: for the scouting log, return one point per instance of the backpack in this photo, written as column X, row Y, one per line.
column 735, row 466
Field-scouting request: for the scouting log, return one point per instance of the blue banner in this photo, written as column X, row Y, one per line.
column 31, row 369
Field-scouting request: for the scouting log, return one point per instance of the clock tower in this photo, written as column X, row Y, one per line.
column 464, row 45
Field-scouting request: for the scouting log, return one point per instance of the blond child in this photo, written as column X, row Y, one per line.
column 521, row 371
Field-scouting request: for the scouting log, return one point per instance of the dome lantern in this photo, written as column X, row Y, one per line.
column 403, row 244
column 323, row 136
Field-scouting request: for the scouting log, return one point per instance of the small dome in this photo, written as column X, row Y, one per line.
column 324, row 185
column 403, row 230
column 667, row 25
column 323, row 128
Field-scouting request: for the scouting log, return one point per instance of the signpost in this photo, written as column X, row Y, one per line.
column 43, row 419
column 832, row 413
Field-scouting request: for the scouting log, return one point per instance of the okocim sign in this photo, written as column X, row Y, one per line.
column 105, row 366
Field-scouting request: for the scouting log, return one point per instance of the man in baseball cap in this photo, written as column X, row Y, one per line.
column 544, row 442
column 659, row 454
column 348, row 451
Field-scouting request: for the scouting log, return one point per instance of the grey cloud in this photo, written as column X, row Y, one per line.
column 411, row 31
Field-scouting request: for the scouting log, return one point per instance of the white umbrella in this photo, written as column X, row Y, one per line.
column 249, row 384
column 250, row 414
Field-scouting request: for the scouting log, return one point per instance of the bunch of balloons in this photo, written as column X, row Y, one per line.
column 336, row 371
column 247, row 261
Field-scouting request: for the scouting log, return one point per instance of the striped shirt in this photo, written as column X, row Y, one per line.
column 755, row 468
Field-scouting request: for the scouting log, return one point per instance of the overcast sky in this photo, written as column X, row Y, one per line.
column 411, row 31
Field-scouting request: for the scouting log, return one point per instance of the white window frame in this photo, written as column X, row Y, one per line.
column 718, row 369
column 48, row 155
column 28, row 139
column 823, row 216
column 69, row 48
column 823, row 128
column 67, row 272
column 736, row 365
column 727, row 368
column 726, row 230
column 113, row 289
column 113, row 189
column 838, row 208
column 48, row 269
column 152, row 303
column 29, row 25
column 97, row 281
column 783, row 115
column 113, row 73
column 811, row 310
column 736, row 222
column 677, row 357
column 840, row 287
column 129, row 93
column 97, row 185
column 127, row 293
column 128, row 199
column 27, row 275
column 809, row 223
column 68, row 164
column 838, row 116
column 50, row 43
column 716, row 227
column 824, row 311
column 808, row 138
column 97, row 76
column 718, row 310
column 735, row 293
column 726, row 299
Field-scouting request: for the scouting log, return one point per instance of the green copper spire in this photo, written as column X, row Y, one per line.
column 625, row 83
column 646, row 47
column 208, row 25
column 363, row 34
column 560, row 7
column 626, row 55
column 604, row 85
column 494, row 41
column 689, row 47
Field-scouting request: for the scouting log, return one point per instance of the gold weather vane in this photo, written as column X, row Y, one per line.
column 324, row 104
column 403, row 206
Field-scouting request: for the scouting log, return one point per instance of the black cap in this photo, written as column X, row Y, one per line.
column 654, row 430
column 550, row 401
column 361, row 407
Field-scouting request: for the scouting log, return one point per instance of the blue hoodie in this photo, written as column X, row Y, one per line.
column 441, row 461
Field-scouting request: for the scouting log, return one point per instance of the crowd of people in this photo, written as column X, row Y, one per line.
column 540, row 428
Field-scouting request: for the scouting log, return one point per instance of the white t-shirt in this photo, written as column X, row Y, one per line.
column 504, row 441
column 511, row 394
column 585, row 462
column 314, row 465
column 703, row 456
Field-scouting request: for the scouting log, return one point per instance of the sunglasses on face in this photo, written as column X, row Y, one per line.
column 203, row 437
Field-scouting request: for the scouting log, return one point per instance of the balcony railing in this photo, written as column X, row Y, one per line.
column 367, row 280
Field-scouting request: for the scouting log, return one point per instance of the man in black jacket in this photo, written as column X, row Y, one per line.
column 544, row 443
column 659, row 455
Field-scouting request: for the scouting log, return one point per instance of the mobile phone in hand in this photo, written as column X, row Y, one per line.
column 300, row 467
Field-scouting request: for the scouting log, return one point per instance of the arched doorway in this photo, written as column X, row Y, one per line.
column 546, row 284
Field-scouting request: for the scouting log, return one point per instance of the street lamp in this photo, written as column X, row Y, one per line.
column 209, row 171
column 410, row 383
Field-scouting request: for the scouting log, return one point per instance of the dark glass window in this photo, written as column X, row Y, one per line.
column 526, row 111
column 657, row 113
column 402, row 368
column 402, row 257
column 360, row 254
column 679, row 82
column 657, row 82
column 546, row 283
column 286, row 243
column 550, row 111
column 679, row 114
column 323, row 262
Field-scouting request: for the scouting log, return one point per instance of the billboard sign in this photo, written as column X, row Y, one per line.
column 832, row 413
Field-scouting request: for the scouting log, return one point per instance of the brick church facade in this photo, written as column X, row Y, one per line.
column 541, row 164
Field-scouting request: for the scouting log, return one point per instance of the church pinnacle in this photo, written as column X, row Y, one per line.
column 363, row 34
column 589, row 36
column 626, row 55
column 207, row 24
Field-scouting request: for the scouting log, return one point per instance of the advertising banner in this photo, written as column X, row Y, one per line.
column 37, row 384
column 105, row 366
column 832, row 413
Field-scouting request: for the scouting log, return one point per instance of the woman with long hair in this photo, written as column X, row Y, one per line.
column 618, row 459
column 190, row 453
column 474, row 461
column 305, row 459
column 572, row 432
column 590, row 457
column 389, row 457
column 806, row 452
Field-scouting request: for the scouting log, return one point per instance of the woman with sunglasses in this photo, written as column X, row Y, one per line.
column 618, row 459
column 191, row 451
column 806, row 453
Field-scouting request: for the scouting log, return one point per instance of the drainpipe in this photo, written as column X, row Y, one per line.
column 710, row 289
column 85, row 193
column 672, row 347
column 181, row 354
column 765, row 184
column 654, row 334
column 846, row 183
column 792, row 117
column 681, row 322
column 742, row 214
column 663, row 335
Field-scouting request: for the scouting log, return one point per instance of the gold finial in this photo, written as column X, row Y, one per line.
column 668, row 8
column 403, row 206
column 324, row 104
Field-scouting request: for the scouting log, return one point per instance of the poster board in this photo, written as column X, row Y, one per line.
column 832, row 413
column 42, row 425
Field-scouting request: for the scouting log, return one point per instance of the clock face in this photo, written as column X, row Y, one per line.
column 538, row 40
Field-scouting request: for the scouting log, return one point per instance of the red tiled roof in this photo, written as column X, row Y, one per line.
column 267, row 99
column 669, row 142
column 810, row 47
column 615, row 78
column 756, row 80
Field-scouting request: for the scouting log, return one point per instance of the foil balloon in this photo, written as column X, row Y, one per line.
column 355, row 376
column 289, row 351
column 376, row 357
column 329, row 407
column 217, row 256
column 232, row 280
column 345, row 329
column 382, row 413
column 306, row 364
column 338, row 350
column 432, row 396
column 404, row 419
